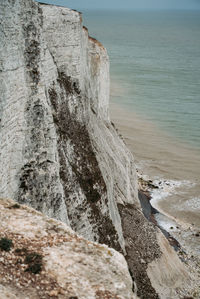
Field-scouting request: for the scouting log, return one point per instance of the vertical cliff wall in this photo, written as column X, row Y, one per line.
column 59, row 151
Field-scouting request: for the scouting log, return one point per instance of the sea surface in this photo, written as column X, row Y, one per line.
column 155, row 60
column 155, row 100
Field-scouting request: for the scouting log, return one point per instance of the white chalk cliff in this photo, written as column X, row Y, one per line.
column 59, row 152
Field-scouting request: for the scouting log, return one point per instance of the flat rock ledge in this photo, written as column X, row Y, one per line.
column 43, row 258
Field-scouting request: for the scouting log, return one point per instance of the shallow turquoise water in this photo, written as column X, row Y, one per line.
column 155, row 63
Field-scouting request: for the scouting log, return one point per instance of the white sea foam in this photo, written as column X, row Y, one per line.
column 166, row 223
column 167, row 188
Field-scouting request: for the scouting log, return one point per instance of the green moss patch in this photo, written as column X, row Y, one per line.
column 34, row 262
column 6, row 244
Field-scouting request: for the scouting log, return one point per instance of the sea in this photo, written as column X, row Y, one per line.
column 155, row 101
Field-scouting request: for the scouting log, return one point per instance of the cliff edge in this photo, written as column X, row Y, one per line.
column 59, row 152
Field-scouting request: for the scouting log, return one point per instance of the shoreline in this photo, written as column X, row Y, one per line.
column 149, row 212
column 190, row 258
column 139, row 136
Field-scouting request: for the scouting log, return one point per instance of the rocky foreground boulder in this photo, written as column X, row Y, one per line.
column 43, row 258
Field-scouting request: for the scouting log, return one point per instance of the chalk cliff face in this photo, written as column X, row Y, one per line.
column 59, row 152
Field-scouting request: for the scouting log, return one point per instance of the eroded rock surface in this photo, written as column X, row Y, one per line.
column 154, row 264
column 71, row 267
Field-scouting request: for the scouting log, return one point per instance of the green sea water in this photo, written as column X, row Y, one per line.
column 155, row 65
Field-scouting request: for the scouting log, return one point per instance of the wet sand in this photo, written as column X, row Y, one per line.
column 163, row 157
